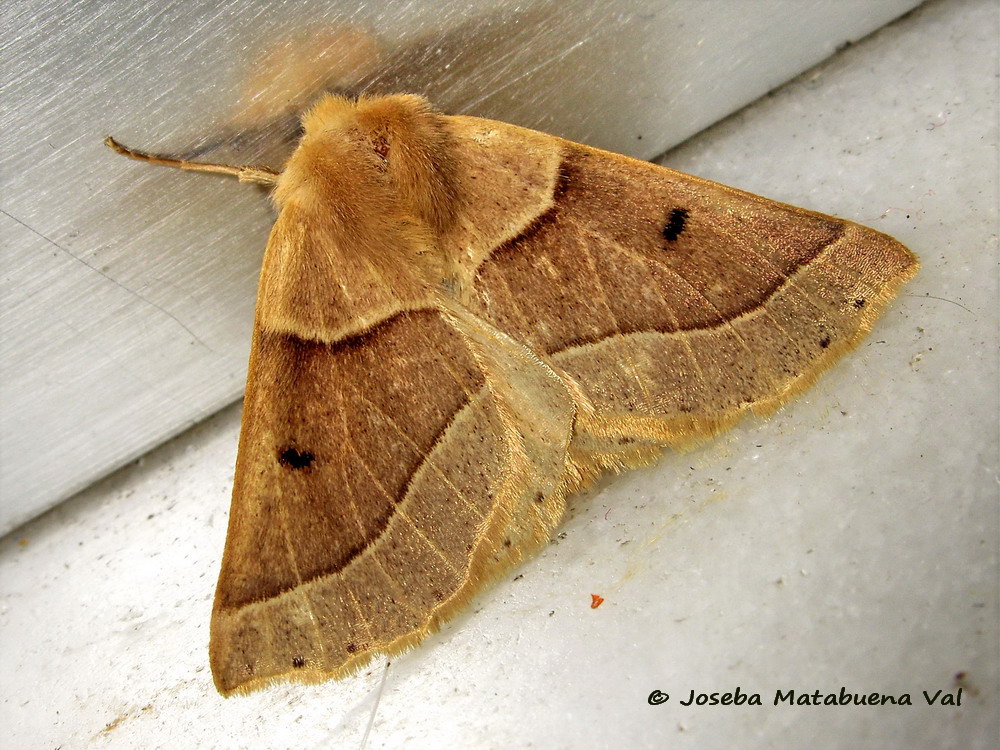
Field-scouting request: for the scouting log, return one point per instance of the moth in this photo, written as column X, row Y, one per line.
column 460, row 323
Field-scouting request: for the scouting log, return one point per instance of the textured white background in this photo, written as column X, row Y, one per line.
column 850, row 540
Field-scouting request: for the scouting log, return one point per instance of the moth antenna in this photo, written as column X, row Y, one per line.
column 261, row 175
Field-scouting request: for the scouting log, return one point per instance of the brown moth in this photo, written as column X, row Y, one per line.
column 461, row 322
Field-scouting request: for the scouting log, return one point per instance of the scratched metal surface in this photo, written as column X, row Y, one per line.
column 127, row 292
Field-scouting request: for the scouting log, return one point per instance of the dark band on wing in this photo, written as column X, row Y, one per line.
column 610, row 223
column 339, row 440
column 545, row 219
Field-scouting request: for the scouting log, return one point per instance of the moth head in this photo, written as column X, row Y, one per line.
column 394, row 153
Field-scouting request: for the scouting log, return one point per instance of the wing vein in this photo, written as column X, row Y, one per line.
column 425, row 458
column 397, row 509
column 349, row 493
column 630, row 363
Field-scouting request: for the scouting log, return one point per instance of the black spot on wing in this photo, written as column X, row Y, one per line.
column 294, row 459
column 674, row 227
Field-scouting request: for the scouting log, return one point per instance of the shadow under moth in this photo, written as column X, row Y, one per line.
column 461, row 322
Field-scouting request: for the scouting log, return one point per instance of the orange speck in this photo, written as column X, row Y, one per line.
column 596, row 601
